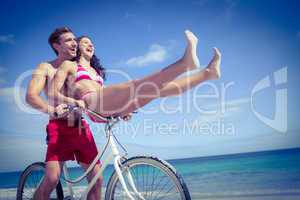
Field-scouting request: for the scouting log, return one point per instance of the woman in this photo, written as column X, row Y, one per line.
column 84, row 79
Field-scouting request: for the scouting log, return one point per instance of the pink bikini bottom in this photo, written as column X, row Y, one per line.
column 92, row 117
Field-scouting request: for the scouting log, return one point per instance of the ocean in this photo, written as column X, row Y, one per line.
column 248, row 176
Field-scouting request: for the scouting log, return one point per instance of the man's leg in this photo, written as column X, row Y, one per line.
column 51, row 178
column 85, row 154
column 95, row 193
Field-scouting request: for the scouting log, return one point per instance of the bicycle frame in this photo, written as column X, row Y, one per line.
column 114, row 155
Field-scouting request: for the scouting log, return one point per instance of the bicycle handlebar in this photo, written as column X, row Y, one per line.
column 72, row 108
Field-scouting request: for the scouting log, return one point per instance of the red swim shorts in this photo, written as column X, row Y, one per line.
column 70, row 142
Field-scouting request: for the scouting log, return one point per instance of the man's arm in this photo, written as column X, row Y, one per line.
column 66, row 68
column 35, row 87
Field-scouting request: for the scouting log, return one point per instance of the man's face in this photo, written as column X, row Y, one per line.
column 67, row 45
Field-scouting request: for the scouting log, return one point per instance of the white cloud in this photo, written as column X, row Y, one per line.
column 12, row 93
column 155, row 54
column 231, row 108
column 7, row 92
column 9, row 39
column 18, row 116
column 230, row 104
column 238, row 102
column 14, row 97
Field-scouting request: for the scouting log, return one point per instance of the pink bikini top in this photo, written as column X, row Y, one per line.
column 83, row 74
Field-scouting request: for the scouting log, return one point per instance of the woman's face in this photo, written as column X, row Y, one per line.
column 86, row 47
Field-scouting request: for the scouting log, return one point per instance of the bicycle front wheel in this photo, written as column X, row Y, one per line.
column 153, row 179
column 30, row 180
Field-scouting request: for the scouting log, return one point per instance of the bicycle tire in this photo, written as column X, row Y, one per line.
column 35, row 169
column 146, row 162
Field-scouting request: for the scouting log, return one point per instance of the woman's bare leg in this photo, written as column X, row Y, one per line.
column 179, row 86
column 114, row 98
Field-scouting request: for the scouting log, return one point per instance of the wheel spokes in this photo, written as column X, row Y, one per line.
column 151, row 182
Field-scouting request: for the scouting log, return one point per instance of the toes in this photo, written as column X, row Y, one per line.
column 216, row 51
column 191, row 37
column 187, row 32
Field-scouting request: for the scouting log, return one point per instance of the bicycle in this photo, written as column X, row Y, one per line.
column 139, row 177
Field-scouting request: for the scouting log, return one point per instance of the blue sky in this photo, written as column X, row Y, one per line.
column 256, row 38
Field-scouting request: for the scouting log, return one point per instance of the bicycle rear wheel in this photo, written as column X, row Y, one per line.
column 153, row 179
column 31, row 179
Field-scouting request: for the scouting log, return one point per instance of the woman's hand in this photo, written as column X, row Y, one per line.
column 80, row 104
column 127, row 117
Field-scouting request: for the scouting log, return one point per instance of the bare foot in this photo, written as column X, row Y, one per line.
column 213, row 67
column 190, row 57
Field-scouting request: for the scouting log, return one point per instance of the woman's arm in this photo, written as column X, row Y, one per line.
column 64, row 70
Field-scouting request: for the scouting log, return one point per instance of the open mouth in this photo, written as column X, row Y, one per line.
column 89, row 50
column 73, row 50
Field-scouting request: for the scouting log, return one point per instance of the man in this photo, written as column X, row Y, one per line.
column 65, row 142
